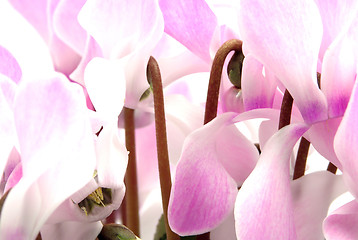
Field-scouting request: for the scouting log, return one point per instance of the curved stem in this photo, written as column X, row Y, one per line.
column 131, row 198
column 162, row 145
column 215, row 77
column 300, row 165
column 286, row 109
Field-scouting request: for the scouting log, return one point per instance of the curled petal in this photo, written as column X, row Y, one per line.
column 290, row 50
column 203, row 193
column 192, row 23
column 57, row 153
column 265, row 197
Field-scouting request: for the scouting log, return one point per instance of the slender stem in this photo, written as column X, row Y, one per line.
column 332, row 168
column 162, row 145
column 286, row 109
column 301, row 159
column 132, row 206
column 215, row 77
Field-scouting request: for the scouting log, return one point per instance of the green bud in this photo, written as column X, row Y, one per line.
column 234, row 68
column 113, row 231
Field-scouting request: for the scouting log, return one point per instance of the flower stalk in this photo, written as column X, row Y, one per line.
column 211, row 105
column 161, row 138
column 131, row 198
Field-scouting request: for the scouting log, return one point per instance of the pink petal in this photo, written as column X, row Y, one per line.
column 9, row 66
column 203, row 193
column 14, row 177
column 312, row 195
column 345, row 143
column 71, row 230
column 339, row 71
column 288, row 48
column 57, row 152
column 257, row 91
column 263, row 208
column 192, row 23
column 66, row 25
column 341, row 224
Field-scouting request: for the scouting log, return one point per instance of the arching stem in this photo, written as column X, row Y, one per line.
column 215, row 77
column 162, row 145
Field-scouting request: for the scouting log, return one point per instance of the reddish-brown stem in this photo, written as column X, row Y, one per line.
column 132, row 206
column 286, row 109
column 215, row 77
column 161, row 139
column 300, row 165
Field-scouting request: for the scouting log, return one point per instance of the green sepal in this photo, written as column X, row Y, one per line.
column 113, row 231
column 160, row 233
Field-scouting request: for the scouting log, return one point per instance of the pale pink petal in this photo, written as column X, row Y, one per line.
column 116, row 27
column 112, row 157
column 66, row 25
column 263, row 208
column 257, row 91
column 7, row 125
column 192, row 23
column 346, row 140
column 65, row 59
column 71, row 230
column 226, row 230
column 236, row 153
column 232, row 101
column 92, row 50
column 288, row 48
column 106, row 86
column 57, row 153
column 336, row 16
column 321, row 135
column 9, row 66
column 312, row 195
column 339, row 71
column 203, row 193
column 341, row 224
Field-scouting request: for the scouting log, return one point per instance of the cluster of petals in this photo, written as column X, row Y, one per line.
column 60, row 132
